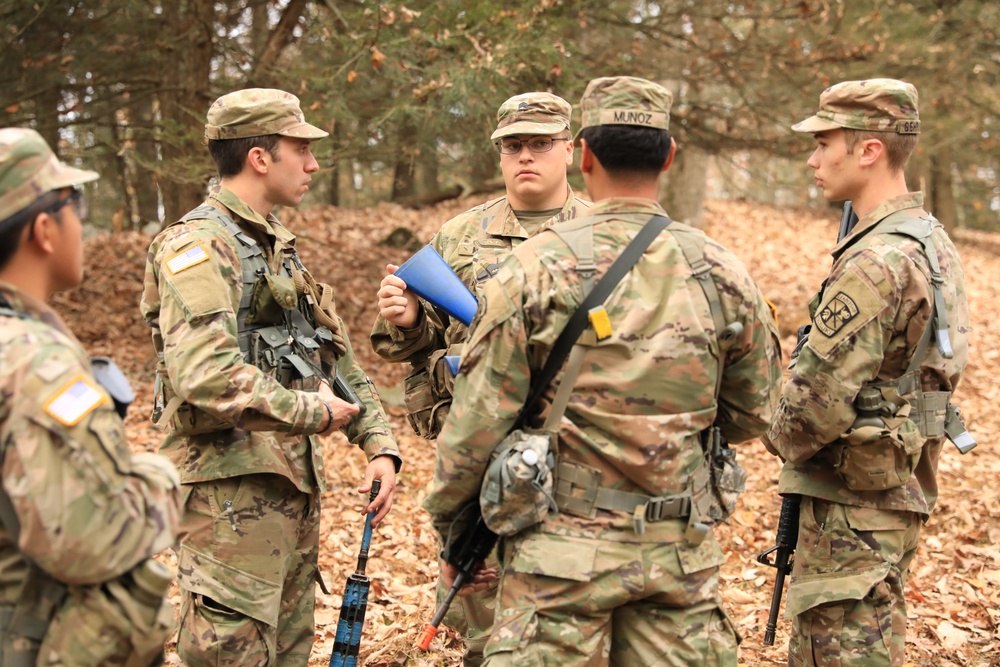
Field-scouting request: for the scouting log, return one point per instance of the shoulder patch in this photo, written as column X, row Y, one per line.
column 852, row 303
column 187, row 258
column 75, row 401
column 835, row 315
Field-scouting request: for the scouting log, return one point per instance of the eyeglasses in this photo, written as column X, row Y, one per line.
column 76, row 199
column 38, row 207
column 513, row 145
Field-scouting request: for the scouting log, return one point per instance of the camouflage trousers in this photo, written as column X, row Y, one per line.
column 846, row 591
column 569, row 602
column 247, row 571
column 472, row 616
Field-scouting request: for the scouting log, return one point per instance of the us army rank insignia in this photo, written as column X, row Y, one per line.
column 837, row 312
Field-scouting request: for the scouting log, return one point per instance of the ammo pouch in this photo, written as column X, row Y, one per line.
column 272, row 295
column 518, row 487
column 727, row 478
column 428, row 392
column 883, row 446
column 124, row 622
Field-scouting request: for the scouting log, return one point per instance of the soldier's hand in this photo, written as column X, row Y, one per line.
column 382, row 468
column 342, row 410
column 482, row 579
column 397, row 304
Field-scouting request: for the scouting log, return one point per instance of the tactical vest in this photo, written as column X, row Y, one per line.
column 578, row 489
column 272, row 327
column 932, row 412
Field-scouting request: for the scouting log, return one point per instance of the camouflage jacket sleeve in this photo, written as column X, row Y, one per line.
column 490, row 391
column 371, row 432
column 195, row 309
column 854, row 333
column 86, row 515
column 751, row 377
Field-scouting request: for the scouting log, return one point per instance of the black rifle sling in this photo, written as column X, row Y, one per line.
column 567, row 339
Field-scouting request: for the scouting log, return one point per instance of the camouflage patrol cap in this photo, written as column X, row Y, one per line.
column 532, row 113
column 625, row 100
column 255, row 112
column 29, row 169
column 876, row 105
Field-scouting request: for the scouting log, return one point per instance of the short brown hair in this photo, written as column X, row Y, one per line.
column 898, row 147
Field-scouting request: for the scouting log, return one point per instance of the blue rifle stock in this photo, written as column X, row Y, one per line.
column 352, row 610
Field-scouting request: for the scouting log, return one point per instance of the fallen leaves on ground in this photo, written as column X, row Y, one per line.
column 953, row 591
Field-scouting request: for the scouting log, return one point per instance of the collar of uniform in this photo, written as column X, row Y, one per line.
column 29, row 305
column 886, row 208
column 268, row 225
column 504, row 222
column 627, row 205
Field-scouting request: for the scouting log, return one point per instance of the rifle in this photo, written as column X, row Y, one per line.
column 344, row 391
column 464, row 553
column 784, row 549
column 352, row 610
column 788, row 521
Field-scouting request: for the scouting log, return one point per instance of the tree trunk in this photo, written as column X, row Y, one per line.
column 335, row 136
column 682, row 192
column 144, row 179
column 404, row 182
column 945, row 208
column 184, row 101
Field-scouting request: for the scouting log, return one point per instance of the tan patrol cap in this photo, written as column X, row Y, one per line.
column 255, row 112
column 625, row 100
column 532, row 113
column 876, row 105
column 29, row 169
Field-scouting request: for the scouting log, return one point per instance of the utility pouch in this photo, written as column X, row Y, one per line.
column 272, row 295
column 518, row 486
column 122, row 623
column 883, row 445
column 727, row 477
column 184, row 418
column 428, row 391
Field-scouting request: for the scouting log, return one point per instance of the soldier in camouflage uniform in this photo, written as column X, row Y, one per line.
column 590, row 585
column 534, row 141
column 80, row 516
column 244, row 335
column 862, row 419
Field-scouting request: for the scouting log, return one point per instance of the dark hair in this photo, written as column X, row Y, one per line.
column 628, row 149
column 13, row 226
column 230, row 154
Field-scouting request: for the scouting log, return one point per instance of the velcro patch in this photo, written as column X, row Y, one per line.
column 188, row 258
column 837, row 312
column 75, row 401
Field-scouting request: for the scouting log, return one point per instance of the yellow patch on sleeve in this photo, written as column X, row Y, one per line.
column 774, row 310
column 75, row 401
column 196, row 254
column 600, row 321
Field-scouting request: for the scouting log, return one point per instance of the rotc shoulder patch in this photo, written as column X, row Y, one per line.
column 75, row 401
column 854, row 303
column 835, row 314
column 187, row 258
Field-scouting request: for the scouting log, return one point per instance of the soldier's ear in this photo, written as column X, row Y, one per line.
column 258, row 159
column 670, row 155
column 586, row 157
column 40, row 232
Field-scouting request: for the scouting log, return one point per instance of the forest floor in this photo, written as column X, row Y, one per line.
column 953, row 591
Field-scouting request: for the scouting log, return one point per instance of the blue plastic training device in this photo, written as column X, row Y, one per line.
column 352, row 610
column 430, row 278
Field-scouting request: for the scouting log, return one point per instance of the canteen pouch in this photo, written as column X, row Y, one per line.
column 881, row 452
column 272, row 295
column 124, row 622
column 517, row 489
